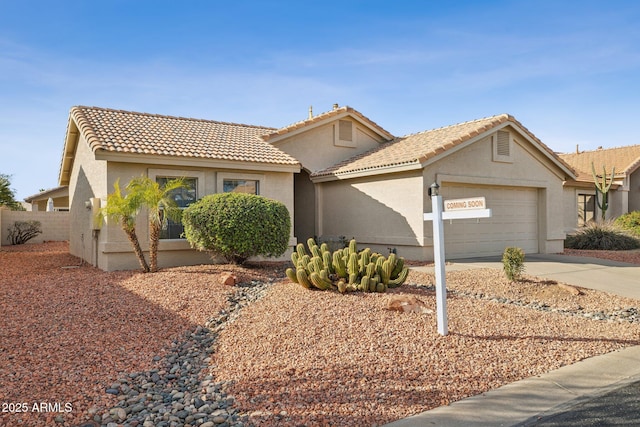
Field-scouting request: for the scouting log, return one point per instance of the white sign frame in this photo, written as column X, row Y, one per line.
column 437, row 216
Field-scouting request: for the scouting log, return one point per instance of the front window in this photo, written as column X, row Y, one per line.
column 241, row 186
column 183, row 197
column 586, row 209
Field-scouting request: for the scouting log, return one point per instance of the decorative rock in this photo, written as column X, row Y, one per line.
column 121, row 414
column 228, row 279
column 407, row 304
column 176, row 394
column 571, row 289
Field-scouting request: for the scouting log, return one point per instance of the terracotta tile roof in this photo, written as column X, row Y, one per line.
column 419, row 147
column 141, row 133
column 624, row 159
column 324, row 116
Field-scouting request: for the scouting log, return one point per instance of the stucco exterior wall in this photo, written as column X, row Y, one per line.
column 474, row 164
column 634, row 191
column 317, row 149
column 386, row 211
column 58, row 202
column 114, row 248
column 87, row 180
column 54, row 225
column 570, row 207
column 381, row 212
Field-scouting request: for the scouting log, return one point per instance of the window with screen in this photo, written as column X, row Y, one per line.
column 241, row 186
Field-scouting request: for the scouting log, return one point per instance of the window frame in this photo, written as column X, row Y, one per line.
column 234, row 176
column 581, row 201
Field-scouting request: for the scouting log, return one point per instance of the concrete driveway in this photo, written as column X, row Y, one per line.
column 618, row 278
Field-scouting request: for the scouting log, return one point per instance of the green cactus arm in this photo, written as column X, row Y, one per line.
column 402, row 277
column 303, row 279
column 291, row 275
column 353, row 246
column 300, row 250
column 398, row 268
column 352, row 266
column 319, row 282
column 326, row 260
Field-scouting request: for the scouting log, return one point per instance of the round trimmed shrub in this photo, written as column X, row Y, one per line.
column 237, row 226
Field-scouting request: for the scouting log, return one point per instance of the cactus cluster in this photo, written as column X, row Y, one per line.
column 346, row 270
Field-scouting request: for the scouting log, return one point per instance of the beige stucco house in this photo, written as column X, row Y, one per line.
column 103, row 146
column 378, row 193
column 40, row 202
column 339, row 173
column 624, row 196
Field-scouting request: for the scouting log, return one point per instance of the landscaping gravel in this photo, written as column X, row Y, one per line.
column 178, row 348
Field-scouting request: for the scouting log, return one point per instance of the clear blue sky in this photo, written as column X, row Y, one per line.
column 568, row 70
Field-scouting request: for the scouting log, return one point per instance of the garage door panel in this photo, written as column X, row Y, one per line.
column 514, row 222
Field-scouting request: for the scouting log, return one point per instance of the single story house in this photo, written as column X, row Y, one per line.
column 40, row 202
column 338, row 173
column 103, row 146
column 580, row 193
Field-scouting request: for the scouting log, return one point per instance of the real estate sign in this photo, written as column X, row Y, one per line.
column 474, row 207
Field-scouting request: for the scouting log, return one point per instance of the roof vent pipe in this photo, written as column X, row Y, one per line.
column 335, row 106
column 310, row 111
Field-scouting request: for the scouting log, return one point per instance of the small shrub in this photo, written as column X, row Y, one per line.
column 602, row 236
column 513, row 263
column 237, row 226
column 23, row 231
column 630, row 222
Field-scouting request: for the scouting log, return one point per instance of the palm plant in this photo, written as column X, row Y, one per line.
column 125, row 209
column 161, row 207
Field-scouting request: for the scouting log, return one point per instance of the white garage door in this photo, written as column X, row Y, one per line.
column 514, row 222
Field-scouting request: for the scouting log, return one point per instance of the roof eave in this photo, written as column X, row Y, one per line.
column 382, row 170
column 157, row 159
column 318, row 121
column 68, row 152
column 47, row 193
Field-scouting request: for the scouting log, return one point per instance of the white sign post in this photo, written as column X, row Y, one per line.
column 454, row 209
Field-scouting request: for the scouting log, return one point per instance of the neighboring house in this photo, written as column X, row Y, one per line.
column 59, row 196
column 580, row 204
column 339, row 173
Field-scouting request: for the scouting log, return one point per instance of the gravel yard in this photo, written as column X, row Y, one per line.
column 294, row 357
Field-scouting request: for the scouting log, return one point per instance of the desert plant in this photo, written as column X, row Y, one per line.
column 602, row 188
column 23, row 231
column 160, row 207
column 345, row 270
column 604, row 236
column 513, row 263
column 125, row 209
column 237, row 226
column 630, row 222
